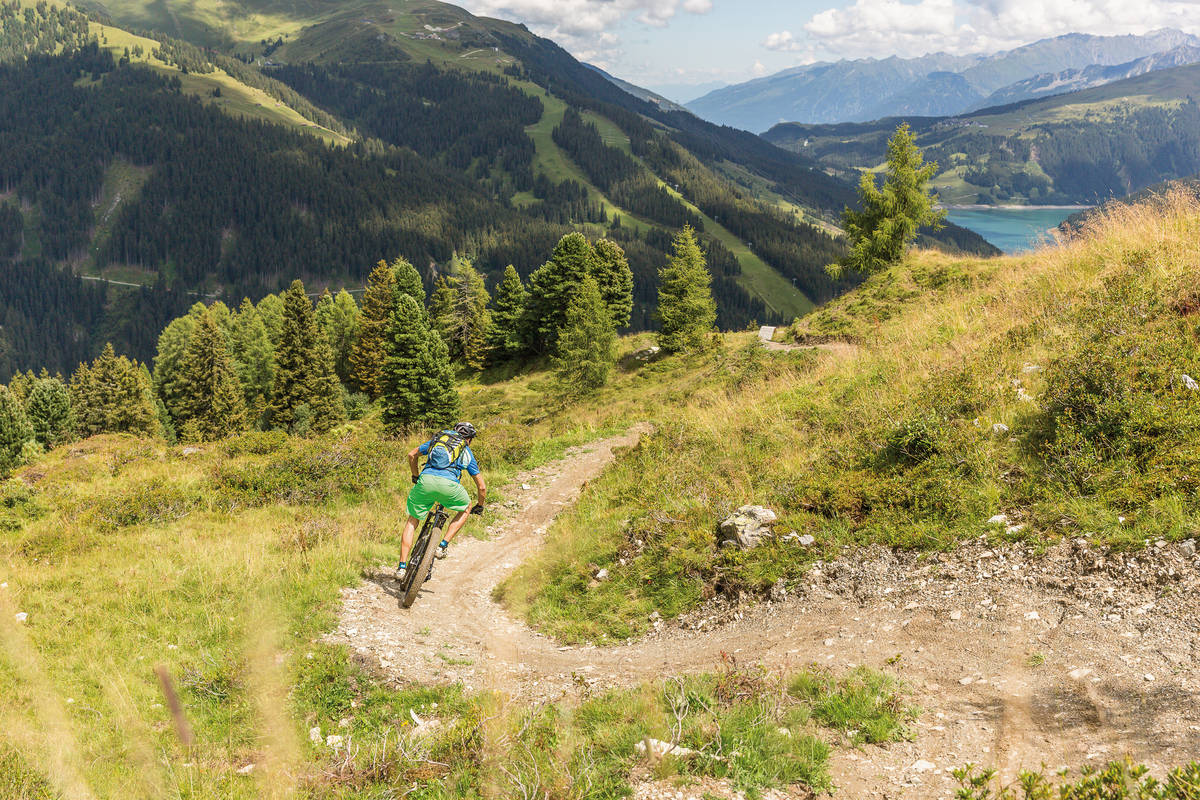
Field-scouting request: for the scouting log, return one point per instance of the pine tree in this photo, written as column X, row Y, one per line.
column 441, row 311
column 460, row 315
column 367, row 357
column 304, row 373
column 169, row 381
column 15, row 431
column 326, row 401
column 270, row 310
column 587, row 342
column 338, row 317
column 551, row 287
column 685, row 304
column 504, row 335
column 21, row 384
column 166, row 425
column 612, row 273
column 417, row 379
column 49, row 410
column 891, row 216
column 408, row 280
column 224, row 319
column 253, row 358
column 113, row 395
column 213, row 402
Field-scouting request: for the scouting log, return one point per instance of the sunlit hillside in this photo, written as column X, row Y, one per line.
column 1054, row 388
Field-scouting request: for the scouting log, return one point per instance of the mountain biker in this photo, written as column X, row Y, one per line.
column 447, row 455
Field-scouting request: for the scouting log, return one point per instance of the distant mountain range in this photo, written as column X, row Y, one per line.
column 1085, row 146
column 941, row 84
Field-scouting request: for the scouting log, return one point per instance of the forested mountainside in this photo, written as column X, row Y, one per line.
column 176, row 171
column 1083, row 147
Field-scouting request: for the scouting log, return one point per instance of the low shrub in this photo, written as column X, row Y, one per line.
column 1120, row 421
column 306, row 472
column 255, row 443
column 18, row 505
column 1119, row 780
column 151, row 502
column 913, row 441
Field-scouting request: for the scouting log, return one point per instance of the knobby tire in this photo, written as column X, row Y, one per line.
column 416, row 575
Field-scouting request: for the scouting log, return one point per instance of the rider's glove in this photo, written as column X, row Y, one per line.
column 477, row 509
column 416, row 478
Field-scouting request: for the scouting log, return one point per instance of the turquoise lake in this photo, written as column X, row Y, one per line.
column 1013, row 230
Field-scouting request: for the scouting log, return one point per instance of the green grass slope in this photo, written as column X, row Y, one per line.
column 222, row 569
column 1047, row 387
column 224, row 566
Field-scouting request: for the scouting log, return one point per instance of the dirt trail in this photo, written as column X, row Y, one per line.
column 1015, row 658
column 766, row 335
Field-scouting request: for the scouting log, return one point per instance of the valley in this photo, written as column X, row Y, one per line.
column 780, row 490
column 1077, row 148
column 535, row 189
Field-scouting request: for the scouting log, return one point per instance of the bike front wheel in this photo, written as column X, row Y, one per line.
column 424, row 550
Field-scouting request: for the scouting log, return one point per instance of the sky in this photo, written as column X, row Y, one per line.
column 681, row 48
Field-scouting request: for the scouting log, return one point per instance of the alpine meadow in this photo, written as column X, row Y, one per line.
column 783, row 486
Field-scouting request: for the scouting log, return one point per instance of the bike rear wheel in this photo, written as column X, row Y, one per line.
column 420, row 560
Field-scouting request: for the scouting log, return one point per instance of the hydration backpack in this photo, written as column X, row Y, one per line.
column 446, row 449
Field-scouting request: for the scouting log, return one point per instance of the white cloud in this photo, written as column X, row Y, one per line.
column 759, row 69
column 782, row 41
column 885, row 27
column 584, row 27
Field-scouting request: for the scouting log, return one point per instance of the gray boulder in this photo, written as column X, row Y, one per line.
column 647, row 353
column 746, row 528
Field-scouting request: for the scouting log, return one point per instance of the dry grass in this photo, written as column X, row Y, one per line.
column 941, row 341
column 127, row 555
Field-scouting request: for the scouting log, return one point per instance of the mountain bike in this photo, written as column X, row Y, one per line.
column 420, row 560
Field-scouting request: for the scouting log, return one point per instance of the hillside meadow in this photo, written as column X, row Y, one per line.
column 1048, row 387
column 220, row 566
column 1054, row 388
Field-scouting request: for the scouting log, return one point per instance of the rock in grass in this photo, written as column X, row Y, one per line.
column 746, row 528
column 1189, row 383
column 999, row 519
column 999, row 429
column 658, row 748
column 602, row 575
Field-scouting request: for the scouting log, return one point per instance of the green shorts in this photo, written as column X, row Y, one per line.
column 431, row 489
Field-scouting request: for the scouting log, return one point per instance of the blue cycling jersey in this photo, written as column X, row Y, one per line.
column 466, row 460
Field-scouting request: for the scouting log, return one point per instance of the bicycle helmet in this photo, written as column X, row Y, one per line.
column 466, row 430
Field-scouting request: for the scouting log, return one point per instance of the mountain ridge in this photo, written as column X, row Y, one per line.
column 1082, row 147
column 866, row 89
